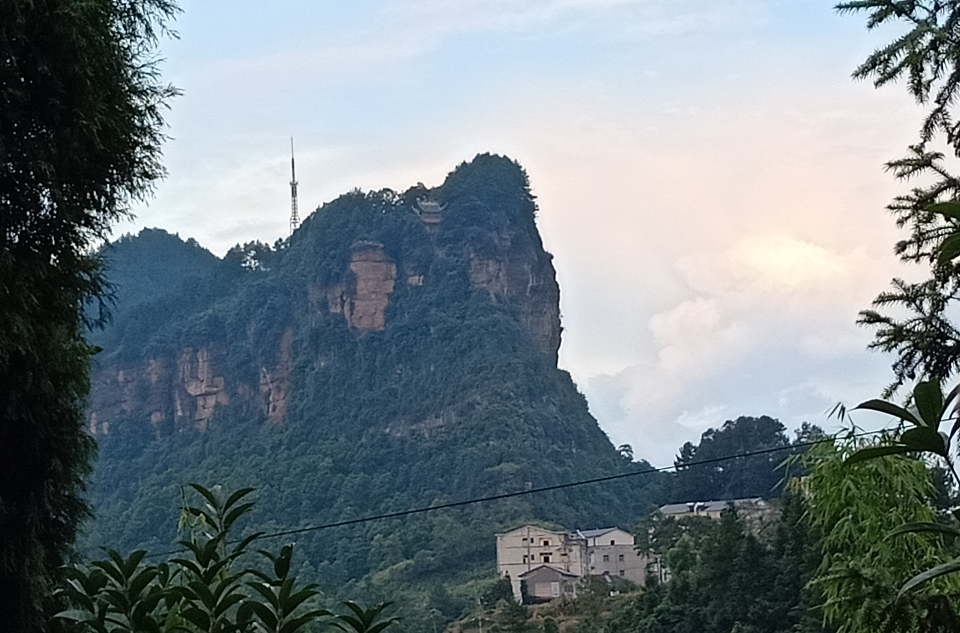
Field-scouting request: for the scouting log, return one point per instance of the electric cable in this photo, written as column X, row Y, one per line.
column 519, row 493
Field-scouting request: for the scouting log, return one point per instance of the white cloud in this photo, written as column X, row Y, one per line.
column 770, row 332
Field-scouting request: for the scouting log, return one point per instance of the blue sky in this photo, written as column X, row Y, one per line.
column 709, row 177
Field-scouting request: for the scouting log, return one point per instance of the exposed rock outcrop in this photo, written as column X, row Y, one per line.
column 185, row 398
column 528, row 280
column 439, row 239
column 275, row 383
column 197, row 379
column 373, row 281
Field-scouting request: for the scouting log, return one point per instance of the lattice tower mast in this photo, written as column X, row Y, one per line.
column 294, row 214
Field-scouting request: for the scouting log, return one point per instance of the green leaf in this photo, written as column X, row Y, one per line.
column 949, row 249
column 889, row 408
column 228, row 601
column 876, row 451
column 203, row 592
column 208, row 495
column 236, row 496
column 292, row 625
column 361, row 612
column 285, row 588
column 141, row 580
column 281, row 566
column 132, row 562
column 949, row 209
column 382, row 625
column 355, row 624
column 235, row 514
column 267, row 592
column 244, row 613
column 929, row 400
column 924, row 439
column 110, row 570
column 190, row 565
column 294, row 601
column 197, row 617
column 210, row 519
column 923, row 527
column 262, row 576
column 266, row 615
column 930, row 574
column 76, row 615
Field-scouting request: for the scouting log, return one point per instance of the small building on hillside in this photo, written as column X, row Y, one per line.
column 605, row 552
column 522, row 549
column 610, row 552
column 712, row 509
column 544, row 583
column 757, row 514
column 430, row 212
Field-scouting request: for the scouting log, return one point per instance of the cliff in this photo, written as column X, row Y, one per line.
column 177, row 387
column 399, row 349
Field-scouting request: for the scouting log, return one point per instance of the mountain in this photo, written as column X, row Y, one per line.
column 398, row 351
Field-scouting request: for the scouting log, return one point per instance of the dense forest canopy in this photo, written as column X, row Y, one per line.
column 454, row 395
column 269, row 368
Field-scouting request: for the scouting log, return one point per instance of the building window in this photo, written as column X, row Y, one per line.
column 606, row 558
column 544, row 558
column 613, row 542
column 525, row 558
column 545, row 542
column 621, row 572
column 523, row 540
column 554, row 589
column 620, row 558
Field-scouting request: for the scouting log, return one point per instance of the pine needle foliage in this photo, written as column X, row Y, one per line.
column 912, row 319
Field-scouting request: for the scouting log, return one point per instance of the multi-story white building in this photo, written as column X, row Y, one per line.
column 610, row 552
column 604, row 552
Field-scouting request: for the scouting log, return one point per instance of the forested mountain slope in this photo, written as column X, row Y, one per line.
column 398, row 351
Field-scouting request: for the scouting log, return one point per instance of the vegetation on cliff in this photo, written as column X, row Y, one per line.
column 372, row 363
column 375, row 362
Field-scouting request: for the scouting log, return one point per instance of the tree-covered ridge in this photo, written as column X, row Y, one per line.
column 458, row 396
column 740, row 459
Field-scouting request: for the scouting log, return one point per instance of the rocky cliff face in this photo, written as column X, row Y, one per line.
column 362, row 268
column 398, row 350
column 364, row 299
column 529, row 282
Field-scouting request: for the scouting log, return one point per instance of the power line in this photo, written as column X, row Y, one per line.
column 508, row 495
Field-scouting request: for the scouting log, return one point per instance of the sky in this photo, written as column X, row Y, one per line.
column 710, row 179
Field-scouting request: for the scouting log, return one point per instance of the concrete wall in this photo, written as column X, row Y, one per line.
column 523, row 549
column 619, row 561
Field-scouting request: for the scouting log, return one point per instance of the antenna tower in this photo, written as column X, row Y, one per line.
column 294, row 215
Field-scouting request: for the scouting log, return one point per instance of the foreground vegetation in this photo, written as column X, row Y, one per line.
column 211, row 587
column 877, row 551
column 453, row 400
